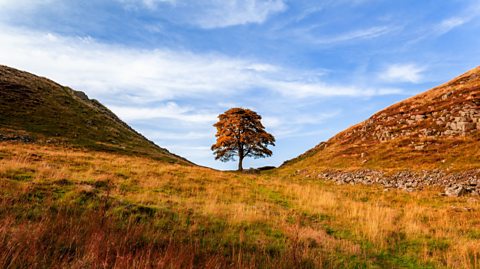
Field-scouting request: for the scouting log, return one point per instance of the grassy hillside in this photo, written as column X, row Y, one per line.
column 37, row 109
column 438, row 129
column 82, row 209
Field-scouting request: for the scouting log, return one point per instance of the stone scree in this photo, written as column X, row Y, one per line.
column 454, row 184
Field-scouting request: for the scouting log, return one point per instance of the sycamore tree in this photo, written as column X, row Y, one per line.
column 241, row 134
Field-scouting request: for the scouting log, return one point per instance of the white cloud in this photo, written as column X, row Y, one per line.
column 298, row 89
column 15, row 9
column 471, row 12
column 310, row 34
column 106, row 69
column 16, row 4
column 272, row 122
column 368, row 33
column 262, row 67
column 402, row 73
column 174, row 136
column 450, row 24
column 205, row 14
column 192, row 151
column 222, row 13
column 212, row 13
column 148, row 4
column 153, row 3
column 155, row 75
column 291, row 125
column 170, row 110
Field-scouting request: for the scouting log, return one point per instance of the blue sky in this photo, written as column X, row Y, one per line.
column 310, row 68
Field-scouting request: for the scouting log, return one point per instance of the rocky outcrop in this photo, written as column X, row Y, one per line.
column 454, row 184
column 459, row 120
column 450, row 110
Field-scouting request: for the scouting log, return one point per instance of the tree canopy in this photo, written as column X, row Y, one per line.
column 241, row 133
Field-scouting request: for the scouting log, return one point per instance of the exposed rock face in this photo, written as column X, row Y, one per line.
column 455, row 184
column 459, row 120
column 452, row 109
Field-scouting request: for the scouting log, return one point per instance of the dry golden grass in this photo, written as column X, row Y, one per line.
column 91, row 209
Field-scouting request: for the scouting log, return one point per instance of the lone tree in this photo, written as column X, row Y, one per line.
column 240, row 133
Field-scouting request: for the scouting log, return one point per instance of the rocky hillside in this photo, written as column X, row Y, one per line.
column 436, row 130
column 35, row 109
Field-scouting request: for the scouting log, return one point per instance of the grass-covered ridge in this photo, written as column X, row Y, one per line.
column 73, row 208
column 437, row 129
column 46, row 112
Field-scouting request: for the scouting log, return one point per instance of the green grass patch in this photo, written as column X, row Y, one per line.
column 473, row 234
column 274, row 196
column 20, row 174
column 129, row 186
column 438, row 244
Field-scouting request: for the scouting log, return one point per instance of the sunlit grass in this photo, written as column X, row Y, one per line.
column 90, row 209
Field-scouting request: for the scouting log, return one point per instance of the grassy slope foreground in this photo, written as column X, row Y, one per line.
column 37, row 109
column 88, row 209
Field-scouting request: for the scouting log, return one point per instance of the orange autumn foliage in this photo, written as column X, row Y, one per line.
column 241, row 133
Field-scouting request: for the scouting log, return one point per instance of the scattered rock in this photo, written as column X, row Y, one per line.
column 455, row 184
column 14, row 137
column 455, row 191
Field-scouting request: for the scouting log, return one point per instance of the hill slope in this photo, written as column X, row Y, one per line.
column 37, row 109
column 438, row 129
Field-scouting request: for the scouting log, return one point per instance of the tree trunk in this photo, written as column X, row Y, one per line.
column 240, row 158
column 240, row 164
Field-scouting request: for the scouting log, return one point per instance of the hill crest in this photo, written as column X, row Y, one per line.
column 38, row 109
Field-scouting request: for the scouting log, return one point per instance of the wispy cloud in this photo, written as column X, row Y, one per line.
column 293, row 125
column 448, row 24
column 8, row 4
column 19, row 8
column 451, row 23
column 174, row 136
column 213, row 13
column 312, row 35
column 402, row 73
column 143, row 76
column 169, row 110
column 368, row 33
column 298, row 89
column 237, row 12
column 192, row 150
